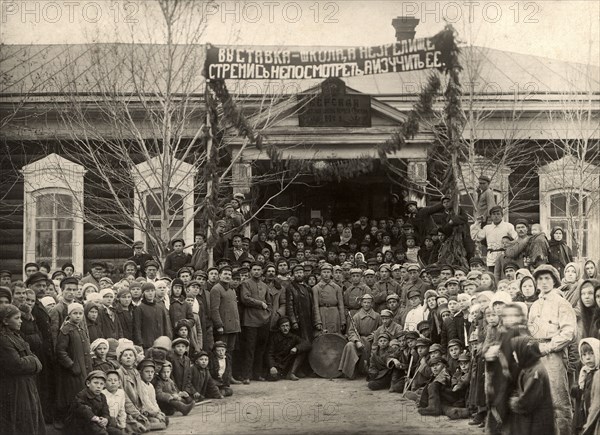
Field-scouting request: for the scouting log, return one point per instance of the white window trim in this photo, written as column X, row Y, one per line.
column 147, row 177
column 53, row 174
column 551, row 177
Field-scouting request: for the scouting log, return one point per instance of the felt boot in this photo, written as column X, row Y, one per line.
column 434, row 405
column 184, row 408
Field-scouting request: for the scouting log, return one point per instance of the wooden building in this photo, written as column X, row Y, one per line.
column 33, row 228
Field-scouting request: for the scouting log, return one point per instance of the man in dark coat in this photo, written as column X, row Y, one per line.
column 152, row 320
column 236, row 253
column 176, row 259
column 58, row 313
column 459, row 222
column 255, row 323
column 286, row 352
column 224, row 310
column 140, row 257
column 299, row 305
column 421, row 218
column 46, row 379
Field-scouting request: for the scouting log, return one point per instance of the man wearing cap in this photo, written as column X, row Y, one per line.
column 286, row 352
column 151, row 268
column 493, row 233
column 176, row 259
column 255, row 324
column 355, row 291
column 552, row 321
column 357, row 351
column 413, row 282
column 97, row 271
column 485, row 200
column 236, row 253
column 388, row 326
column 140, row 257
column 58, row 313
column 277, row 289
column 414, row 311
column 224, row 310
column 233, row 219
column 459, row 223
column 299, row 305
column 384, row 287
column 5, row 278
column 421, row 218
column 328, row 303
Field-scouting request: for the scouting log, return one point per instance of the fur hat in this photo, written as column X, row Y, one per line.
column 162, row 342
column 124, row 345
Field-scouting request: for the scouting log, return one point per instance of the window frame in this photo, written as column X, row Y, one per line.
column 53, row 175
column 146, row 176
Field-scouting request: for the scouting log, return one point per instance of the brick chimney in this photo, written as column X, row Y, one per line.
column 405, row 27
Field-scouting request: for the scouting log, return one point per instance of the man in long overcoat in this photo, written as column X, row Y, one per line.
column 328, row 303
column 299, row 305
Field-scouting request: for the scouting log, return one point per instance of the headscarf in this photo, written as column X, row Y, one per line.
column 525, row 272
column 586, row 314
column 345, row 239
column 595, row 345
column 570, row 290
column 527, row 350
column 536, row 293
column 74, row 306
column 577, row 272
column 97, row 342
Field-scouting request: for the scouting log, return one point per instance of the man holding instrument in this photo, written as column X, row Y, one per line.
column 360, row 335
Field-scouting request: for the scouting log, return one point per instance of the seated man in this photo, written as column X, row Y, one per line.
column 358, row 349
column 286, row 352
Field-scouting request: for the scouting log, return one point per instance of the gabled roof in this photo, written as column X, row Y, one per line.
column 53, row 69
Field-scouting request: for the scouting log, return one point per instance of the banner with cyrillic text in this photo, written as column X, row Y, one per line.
column 248, row 64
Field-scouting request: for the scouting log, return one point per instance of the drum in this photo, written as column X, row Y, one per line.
column 326, row 353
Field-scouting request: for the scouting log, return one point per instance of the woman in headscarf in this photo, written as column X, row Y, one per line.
column 570, row 283
column 590, row 270
column 528, row 290
column 20, row 406
column 345, row 237
column 559, row 253
column 595, row 328
column 589, row 368
column 585, row 308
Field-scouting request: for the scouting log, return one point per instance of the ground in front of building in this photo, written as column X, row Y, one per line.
column 313, row 405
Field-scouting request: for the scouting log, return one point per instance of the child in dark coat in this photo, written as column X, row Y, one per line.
column 182, row 367
column 220, row 368
column 100, row 361
column 89, row 413
column 531, row 405
column 92, row 314
column 203, row 383
column 168, row 396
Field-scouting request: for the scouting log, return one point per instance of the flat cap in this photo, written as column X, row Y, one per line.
column 413, row 266
column 96, row 374
column 422, row 341
column 438, row 359
column 455, row 342
column 180, row 341
column 485, row 178
column 386, row 313
column 69, row 280
column 146, row 362
column 36, row 277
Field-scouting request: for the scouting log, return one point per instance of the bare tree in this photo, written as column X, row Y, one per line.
column 151, row 135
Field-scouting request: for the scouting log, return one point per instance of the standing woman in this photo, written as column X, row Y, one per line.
column 20, row 406
column 559, row 254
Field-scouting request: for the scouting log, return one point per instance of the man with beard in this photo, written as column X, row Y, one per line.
column 98, row 269
column 328, row 302
column 299, row 305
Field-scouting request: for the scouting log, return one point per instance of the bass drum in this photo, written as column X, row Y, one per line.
column 326, row 353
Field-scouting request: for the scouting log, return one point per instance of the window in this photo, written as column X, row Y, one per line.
column 153, row 209
column 148, row 199
column 53, row 217
column 54, row 226
column 561, row 184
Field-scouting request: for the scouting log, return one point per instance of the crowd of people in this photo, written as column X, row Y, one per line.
column 486, row 321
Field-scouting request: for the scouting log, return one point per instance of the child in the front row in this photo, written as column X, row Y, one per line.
column 220, row 368
column 147, row 369
column 89, row 411
column 115, row 397
column 202, row 382
column 182, row 367
column 168, row 396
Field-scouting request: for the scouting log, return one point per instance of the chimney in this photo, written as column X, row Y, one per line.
column 405, row 27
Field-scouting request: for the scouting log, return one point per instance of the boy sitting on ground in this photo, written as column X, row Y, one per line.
column 168, row 396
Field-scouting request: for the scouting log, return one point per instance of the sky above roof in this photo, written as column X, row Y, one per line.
column 566, row 30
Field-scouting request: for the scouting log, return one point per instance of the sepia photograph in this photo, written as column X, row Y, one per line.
column 299, row 217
